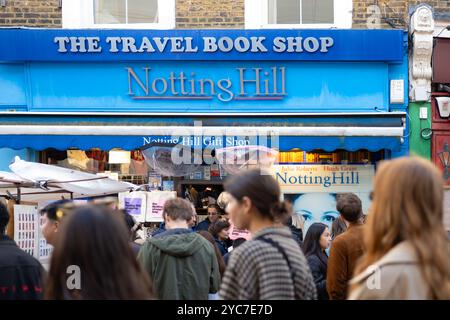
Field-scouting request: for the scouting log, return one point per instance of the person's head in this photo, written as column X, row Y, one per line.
column 208, row 236
column 219, row 229
column 298, row 221
column 338, row 227
column 316, row 207
column 317, row 240
column 132, row 225
column 95, row 241
column 223, row 200
column 4, row 218
column 408, row 206
column 254, row 196
column 350, row 207
column 51, row 219
column 193, row 221
column 177, row 213
column 213, row 212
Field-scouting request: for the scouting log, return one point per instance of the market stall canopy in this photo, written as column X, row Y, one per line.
column 15, row 187
column 9, row 178
column 82, row 183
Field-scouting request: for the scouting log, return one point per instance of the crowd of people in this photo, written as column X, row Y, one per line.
column 400, row 250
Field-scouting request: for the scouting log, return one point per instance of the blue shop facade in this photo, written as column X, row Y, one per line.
column 329, row 96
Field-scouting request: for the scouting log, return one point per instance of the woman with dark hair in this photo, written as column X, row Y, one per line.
column 317, row 240
column 219, row 230
column 94, row 245
column 271, row 265
column 208, row 236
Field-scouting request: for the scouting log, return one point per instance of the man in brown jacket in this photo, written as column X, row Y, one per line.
column 346, row 248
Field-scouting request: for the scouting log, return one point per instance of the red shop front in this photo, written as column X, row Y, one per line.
column 440, row 106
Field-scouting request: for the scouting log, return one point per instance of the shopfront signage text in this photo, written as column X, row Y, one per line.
column 189, row 45
column 251, row 84
column 311, row 177
column 100, row 45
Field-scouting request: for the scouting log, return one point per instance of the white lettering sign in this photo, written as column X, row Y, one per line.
column 225, row 44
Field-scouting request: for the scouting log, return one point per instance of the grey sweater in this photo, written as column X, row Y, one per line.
column 258, row 270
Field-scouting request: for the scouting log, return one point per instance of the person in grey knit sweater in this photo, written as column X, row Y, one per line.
column 271, row 265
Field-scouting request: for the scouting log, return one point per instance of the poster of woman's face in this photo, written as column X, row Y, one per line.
column 314, row 207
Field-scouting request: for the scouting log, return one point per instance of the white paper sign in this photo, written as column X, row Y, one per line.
column 155, row 204
column 134, row 203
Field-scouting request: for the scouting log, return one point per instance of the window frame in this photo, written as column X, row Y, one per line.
column 257, row 17
column 80, row 15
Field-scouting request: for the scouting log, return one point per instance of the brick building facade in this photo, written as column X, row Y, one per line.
column 31, row 13
column 392, row 13
column 199, row 14
column 222, row 14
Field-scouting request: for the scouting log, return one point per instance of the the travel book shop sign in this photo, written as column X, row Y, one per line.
column 216, row 45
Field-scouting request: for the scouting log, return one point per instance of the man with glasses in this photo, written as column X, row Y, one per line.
column 213, row 215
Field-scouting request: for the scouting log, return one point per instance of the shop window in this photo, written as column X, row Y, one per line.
column 123, row 14
column 298, row 14
column 336, row 157
column 301, row 11
column 125, row 11
column 128, row 166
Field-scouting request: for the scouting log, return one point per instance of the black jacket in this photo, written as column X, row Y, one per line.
column 319, row 272
column 21, row 275
column 297, row 234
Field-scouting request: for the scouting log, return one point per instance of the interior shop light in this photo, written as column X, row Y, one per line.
column 119, row 156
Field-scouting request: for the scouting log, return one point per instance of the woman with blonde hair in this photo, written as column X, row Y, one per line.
column 407, row 251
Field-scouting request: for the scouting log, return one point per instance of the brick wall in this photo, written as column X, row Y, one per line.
column 31, row 13
column 208, row 14
column 394, row 13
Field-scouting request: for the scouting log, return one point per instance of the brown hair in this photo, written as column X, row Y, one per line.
column 349, row 206
column 408, row 206
column 218, row 226
column 263, row 191
column 208, row 236
column 337, row 227
column 96, row 240
column 178, row 209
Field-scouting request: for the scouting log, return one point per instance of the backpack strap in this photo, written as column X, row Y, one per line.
column 283, row 252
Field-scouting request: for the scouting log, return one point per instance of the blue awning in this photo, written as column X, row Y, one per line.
column 369, row 131
column 286, row 143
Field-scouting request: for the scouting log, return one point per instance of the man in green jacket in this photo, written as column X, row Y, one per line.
column 181, row 263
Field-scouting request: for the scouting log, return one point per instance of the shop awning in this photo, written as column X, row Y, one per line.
column 306, row 132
